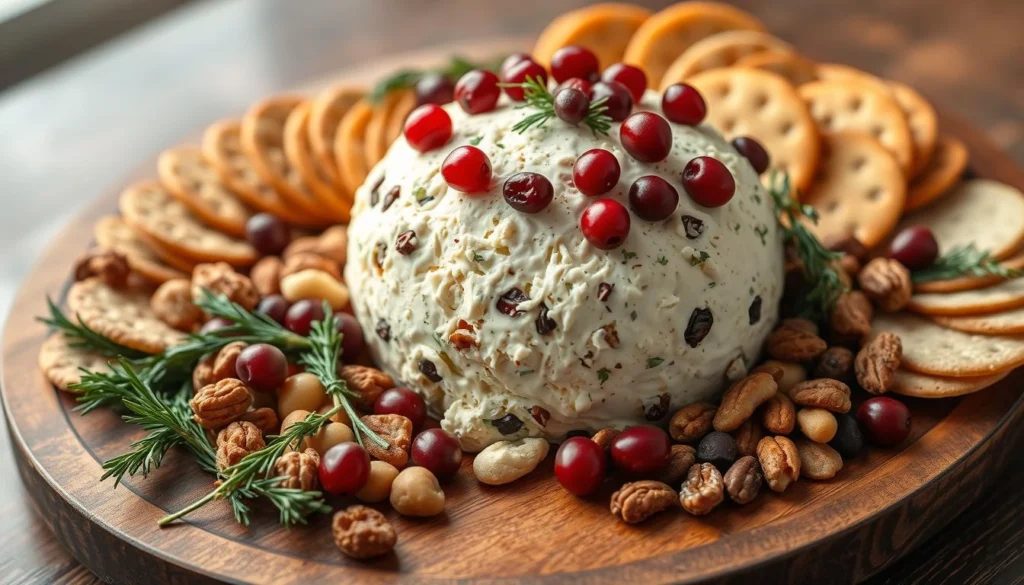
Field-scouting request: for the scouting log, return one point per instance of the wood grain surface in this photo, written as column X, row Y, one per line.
column 147, row 90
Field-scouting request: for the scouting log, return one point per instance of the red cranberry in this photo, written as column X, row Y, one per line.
column 267, row 233
column 571, row 105
column 273, row 306
column 351, row 336
column 528, row 192
column 683, row 104
column 580, row 465
column 344, row 469
column 438, row 451
column 914, row 247
column 646, row 136
column 262, row 367
column 753, row 152
column 575, row 83
column 573, row 61
column 653, row 198
column 596, row 172
column 428, row 127
column 521, row 72
column 618, row 101
column 467, row 169
column 300, row 316
column 641, row 449
column 402, row 401
column 632, row 78
column 708, row 182
column 511, row 60
column 434, row 88
column 477, row 91
column 885, row 421
column 214, row 325
column 605, row 224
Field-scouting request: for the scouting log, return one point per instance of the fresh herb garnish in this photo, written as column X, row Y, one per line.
column 662, row 260
column 964, row 261
column 603, row 374
column 80, row 336
column 699, row 259
column 654, row 362
column 475, row 140
column 627, row 255
column 542, row 103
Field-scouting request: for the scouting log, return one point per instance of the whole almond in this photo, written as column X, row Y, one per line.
column 817, row 424
column 742, row 399
column 690, row 423
column 779, row 415
column 824, row 393
column 817, row 460
column 877, row 362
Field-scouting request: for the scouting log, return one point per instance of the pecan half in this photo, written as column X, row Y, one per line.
column 836, row 363
column 818, row 460
column 361, row 532
column 265, row 419
column 742, row 399
column 368, row 382
column 747, row 437
column 112, row 267
column 743, row 480
column 226, row 360
column 887, row 282
column 852, row 314
column 878, row 361
column 221, row 279
column 172, row 303
column 396, row 430
column 690, row 423
column 604, row 437
column 639, row 500
column 779, row 415
column 779, row 461
column 824, row 393
column 298, row 470
column 681, row 458
column 266, row 275
column 794, row 342
column 221, row 403
column 237, row 440
column 702, row 490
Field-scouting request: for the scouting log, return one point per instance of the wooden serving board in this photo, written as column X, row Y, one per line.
column 881, row 505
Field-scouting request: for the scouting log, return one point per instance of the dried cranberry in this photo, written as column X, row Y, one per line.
column 753, row 151
column 604, row 290
column 383, row 330
column 659, row 409
column 509, row 302
column 375, row 192
column 693, row 227
column 699, row 326
column 754, row 312
column 544, row 323
column 528, row 192
column 428, row 369
column 406, row 243
column 541, row 415
column 508, row 424
column 391, row 197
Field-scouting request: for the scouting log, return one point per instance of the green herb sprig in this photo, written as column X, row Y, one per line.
column 81, row 336
column 406, row 78
column 964, row 261
column 542, row 103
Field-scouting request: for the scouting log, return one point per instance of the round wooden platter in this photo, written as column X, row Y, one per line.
column 881, row 505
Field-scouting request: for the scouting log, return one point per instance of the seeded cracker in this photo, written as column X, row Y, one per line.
column 123, row 317
column 62, row 364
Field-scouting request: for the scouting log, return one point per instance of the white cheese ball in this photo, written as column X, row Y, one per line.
column 431, row 317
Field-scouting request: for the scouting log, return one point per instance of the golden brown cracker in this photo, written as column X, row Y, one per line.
column 923, row 123
column 918, row 385
column 350, row 145
column 121, row 316
column 1008, row 294
column 300, row 155
column 605, row 29
column 325, row 114
column 192, row 180
column 790, row 65
column 940, row 173
column 62, row 364
column 376, row 139
column 112, row 233
column 724, row 49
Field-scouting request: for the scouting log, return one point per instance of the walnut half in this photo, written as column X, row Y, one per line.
column 361, row 532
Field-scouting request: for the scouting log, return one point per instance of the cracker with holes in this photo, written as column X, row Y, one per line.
column 969, row 282
column 1008, row 322
column 925, row 386
column 350, row 145
column 938, row 176
column 62, row 364
column 396, row 105
column 986, row 213
column 669, row 33
column 923, row 123
column 1008, row 294
column 844, row 73
column 790, row 65
column 113, row 233
column 605, row 29
column 192, row 180
column 750, row 102
column 149, row 208
column 325, row 114
column 312, row 172
column 857, row 106
column 721, row 50
column 124, row 317
column 859, row 190
column 930, row 348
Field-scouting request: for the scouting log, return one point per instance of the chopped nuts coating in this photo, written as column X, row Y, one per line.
column 639, row 500
column 361, row 532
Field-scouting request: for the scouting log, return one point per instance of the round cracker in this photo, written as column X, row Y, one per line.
column 862, row 107
column 350, row 143
column 112, row 233
column 121, row 316
column 791, row 65
column 859, row 191
column 262, row 140
column 315, row 175
column 193, row 181
column 940, row 173
column 377, row 128
column 605, row 29
column 968, row 282
column 1008, row 294
column 325, row 114
column 151, row 210
column 1009, row 322
column 668, row 34
column 986, row 213
column 929, row 348
column 923, row 123
column 925, row 386
column 167, row 256
column 222, row 147
column 62, row 364
column 842, row 73
column 722, row 50
column 750, row 102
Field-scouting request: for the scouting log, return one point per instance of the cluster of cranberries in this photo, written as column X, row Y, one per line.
column 581, row 464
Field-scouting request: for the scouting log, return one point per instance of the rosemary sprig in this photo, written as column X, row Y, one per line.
column 818, row 261
column 81, row 336
column 541, row 100
column 405, row 78
column 964, row 261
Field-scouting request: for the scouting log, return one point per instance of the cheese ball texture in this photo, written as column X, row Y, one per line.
column 666, row 319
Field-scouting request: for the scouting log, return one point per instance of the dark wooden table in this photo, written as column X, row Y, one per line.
column 74, row 130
